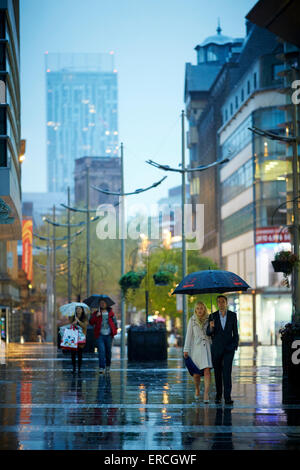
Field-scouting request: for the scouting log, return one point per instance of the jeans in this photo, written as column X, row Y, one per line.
column 104, row 343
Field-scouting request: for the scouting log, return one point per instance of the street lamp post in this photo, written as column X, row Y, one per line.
column 183, row 202
column 122, row 195
column 123, row 319
column 183, row 170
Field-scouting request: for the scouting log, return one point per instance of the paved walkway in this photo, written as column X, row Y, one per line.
column 139, row 406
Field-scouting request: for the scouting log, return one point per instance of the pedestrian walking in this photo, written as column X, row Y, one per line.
column 79, row 319
column 197, row 350
column 225, row 339
column 105, row 328
column 39, row 334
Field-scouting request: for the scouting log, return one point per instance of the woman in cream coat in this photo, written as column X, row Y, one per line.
column 196, row 350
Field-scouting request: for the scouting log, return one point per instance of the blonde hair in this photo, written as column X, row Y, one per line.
column 202, row 320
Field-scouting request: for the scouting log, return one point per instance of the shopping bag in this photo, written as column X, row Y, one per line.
column 81, row 336
column 70, row 339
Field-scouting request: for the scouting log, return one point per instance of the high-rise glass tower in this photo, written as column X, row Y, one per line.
column 82, row 113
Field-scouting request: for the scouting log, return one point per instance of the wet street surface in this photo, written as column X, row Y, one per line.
column 140, row 406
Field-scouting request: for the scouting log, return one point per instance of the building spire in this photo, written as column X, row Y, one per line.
column 219, row 29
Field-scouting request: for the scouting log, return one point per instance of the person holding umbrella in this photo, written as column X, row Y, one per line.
column 76, row 313
column 225, row 339
column 222, row 324
column 105, row 328
column 79, row 319
column 196, row 350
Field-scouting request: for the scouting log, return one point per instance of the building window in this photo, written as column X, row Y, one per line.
column 238, row 223
column 236, row 102
column 231, row 109
column 226, row 115
column 242, row 94
column 254, row 80
column 238, row 139
column 248, row 87
column 275, row 69
column 236, row 183
column 3, row 153
column 211, row 54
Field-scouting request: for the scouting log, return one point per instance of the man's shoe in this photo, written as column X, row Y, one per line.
column 218, row 400
column 101, row 371
column 229, row 402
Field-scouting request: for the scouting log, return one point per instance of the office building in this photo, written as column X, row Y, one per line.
column 10, row 168
column 206, row 85
column 243, row 227
column 104, row 173
column 82, row 113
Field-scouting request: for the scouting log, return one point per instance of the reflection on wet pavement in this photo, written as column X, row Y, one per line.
column 139, row 406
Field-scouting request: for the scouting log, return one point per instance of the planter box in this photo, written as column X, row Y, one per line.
column 147, row 344
column 282, row 267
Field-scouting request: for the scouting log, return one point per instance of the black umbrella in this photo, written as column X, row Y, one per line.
column 93, row 301
column 211, row 281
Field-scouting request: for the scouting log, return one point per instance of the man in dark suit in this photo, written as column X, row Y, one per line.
column 223, row 329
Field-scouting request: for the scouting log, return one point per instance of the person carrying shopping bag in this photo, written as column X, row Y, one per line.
column 197, row 350
column 105, row 328
column 79, row 320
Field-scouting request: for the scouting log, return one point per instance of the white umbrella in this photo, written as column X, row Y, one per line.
column 68, row 310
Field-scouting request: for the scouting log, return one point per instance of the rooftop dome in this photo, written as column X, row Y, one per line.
column 218, row 39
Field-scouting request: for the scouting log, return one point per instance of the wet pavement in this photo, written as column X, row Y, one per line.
column 139, row 406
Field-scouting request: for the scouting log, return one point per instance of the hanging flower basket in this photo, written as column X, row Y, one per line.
column 284, row 262
column 282, row 267
column 162, row 278
column 131, row 280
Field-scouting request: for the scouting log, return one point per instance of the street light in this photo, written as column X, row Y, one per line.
column 183, row 170
column 121, row 195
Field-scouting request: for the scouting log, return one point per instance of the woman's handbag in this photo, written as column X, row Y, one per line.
column 70, row 339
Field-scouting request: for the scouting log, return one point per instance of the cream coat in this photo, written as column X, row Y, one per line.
column 197, row 344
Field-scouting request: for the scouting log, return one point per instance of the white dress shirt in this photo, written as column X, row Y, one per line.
column 223, row 319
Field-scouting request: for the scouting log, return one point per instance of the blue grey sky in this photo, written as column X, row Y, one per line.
column 152, row 41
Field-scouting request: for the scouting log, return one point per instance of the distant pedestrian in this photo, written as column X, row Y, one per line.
column 79, row 319
column 105, row 328
column 39, row 334
column 225, row 340
column 197, row 350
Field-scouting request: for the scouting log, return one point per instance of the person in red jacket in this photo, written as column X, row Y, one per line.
column 105, row 328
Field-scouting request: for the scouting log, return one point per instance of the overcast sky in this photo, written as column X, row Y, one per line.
column 152, row 41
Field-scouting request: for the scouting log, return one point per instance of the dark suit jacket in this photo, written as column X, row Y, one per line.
column 223, row 340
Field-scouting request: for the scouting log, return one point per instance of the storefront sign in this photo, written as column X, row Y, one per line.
column 272, row 235
column 27, row 238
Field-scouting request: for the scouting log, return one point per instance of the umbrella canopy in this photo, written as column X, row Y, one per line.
column 160, row 319
column 94, row 300
column 211, row 281
column 68, row 310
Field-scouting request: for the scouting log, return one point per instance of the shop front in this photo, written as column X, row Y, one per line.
column 273, row 311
